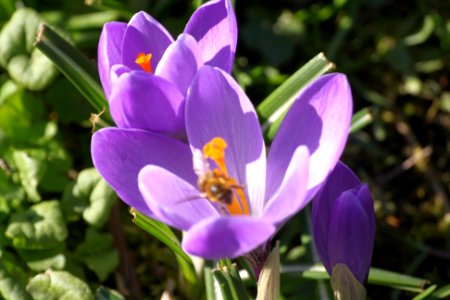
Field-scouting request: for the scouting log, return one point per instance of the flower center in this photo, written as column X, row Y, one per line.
column 215, row 184
column 143, row 60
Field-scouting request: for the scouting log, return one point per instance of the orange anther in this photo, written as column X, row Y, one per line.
column 143, row 60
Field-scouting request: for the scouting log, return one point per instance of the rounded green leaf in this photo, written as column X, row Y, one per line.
column 25, row 64
column 101, row 200
column 58, row 285
column 98, row 254
column 31, row 171
column 40, row 227
column 90, row 196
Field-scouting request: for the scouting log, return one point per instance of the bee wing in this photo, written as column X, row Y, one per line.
column 201, row 166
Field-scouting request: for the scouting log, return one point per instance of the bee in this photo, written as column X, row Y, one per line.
column 214, row 185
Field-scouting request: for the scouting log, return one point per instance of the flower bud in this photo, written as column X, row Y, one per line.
column 344, row 223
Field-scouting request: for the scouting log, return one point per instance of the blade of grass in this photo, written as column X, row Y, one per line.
column 75, row 66
column 209, row 281
column 361, row 119
column 163, row 233
column 376, row 276
column 272, row 109
column 425, row 294
column 442, row 292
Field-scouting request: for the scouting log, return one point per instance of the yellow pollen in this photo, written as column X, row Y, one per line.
column 215, row 150
column 143, row 60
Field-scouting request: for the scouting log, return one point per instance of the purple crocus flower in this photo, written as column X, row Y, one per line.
column 145, row 73
column 344, row 223
column 221, row 189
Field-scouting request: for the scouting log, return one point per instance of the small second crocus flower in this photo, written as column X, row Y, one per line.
column 145, row 73
column 344, row 225
column 222, row 190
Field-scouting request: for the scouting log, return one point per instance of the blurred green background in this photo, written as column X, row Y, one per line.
column 56, row 212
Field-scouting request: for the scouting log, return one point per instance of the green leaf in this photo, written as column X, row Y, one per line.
column 31, row 171
column 101, row 201
column 41, row 260
column 77, row 193
column 273, row 109
column 12, row 278
column 163, row 233
column 58, row 285
column 40, row 227
column 104, row 293
column 11, row 195
column 7, row 8
column 89, row 196
column 94, row 20
column 98, row 254
column 74, row 65
column 58, row 162
column 23, row 117
column 25, row 65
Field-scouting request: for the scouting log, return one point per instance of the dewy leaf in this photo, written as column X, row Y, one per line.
column 12, row 279
column 98, row 254
column 31, row 171
column 40, row 227
column 25, row 64
column 58, row 285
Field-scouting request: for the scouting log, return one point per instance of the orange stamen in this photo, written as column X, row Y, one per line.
column 215, row 150
column 143, row 60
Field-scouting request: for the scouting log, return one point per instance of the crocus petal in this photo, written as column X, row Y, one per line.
column 180, row 62
column 229, row 237
column 217, row 107
column 119, row 155
column 214, row 26
column 290, row 197
column 110, row 51
column 319, row 119
column 350, row 238
column 144, row 35
column 339, row 181
column 173, row 200
column 141, row 100
column 117, row 71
